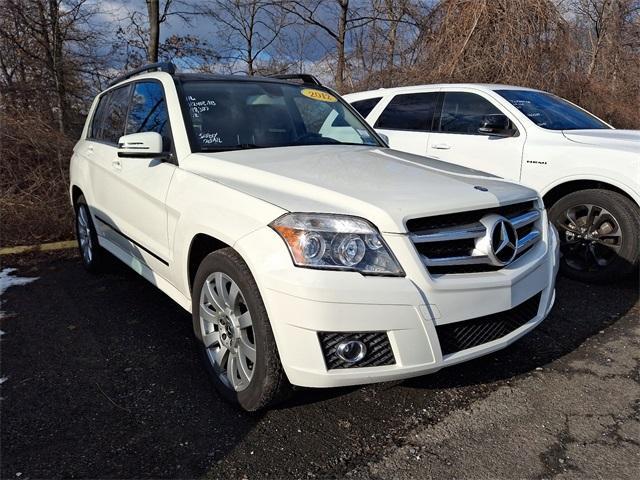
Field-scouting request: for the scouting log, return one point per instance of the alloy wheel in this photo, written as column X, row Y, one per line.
column 227, row 331
column 590, row 236
column 84, row 234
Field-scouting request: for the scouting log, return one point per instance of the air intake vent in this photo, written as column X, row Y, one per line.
column 378, row 349
column 470, row 333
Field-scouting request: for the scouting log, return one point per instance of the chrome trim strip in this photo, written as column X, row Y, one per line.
column 447, row 261
column 472, row 230
column 525, row 218
column 527, row 241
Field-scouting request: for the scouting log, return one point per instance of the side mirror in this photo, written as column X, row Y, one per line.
column 383, row 137
column 141, row 145
column 497, row 124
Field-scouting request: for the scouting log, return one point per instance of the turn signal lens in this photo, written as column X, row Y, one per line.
column 337, row 242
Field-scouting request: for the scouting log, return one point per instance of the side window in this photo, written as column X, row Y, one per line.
column 364, row 107
column 113, row 125
column 98, row 117
column 464, row 112
column 413, row 111
column 148, row 112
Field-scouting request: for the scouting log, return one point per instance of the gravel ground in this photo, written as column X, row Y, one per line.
column 102, row 381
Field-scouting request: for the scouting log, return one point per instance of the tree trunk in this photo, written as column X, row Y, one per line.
column 391, row 45
column 57, row 66
column 153, row 9
column 340, row 44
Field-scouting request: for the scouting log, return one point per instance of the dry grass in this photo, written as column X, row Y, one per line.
column 34, row 203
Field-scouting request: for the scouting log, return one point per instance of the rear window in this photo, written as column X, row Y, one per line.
column 364, row 107
column 413, row 111
column 109, row 120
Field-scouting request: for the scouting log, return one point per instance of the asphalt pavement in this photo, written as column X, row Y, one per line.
column 102, row 380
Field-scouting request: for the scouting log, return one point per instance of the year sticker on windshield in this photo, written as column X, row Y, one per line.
column 318, row 95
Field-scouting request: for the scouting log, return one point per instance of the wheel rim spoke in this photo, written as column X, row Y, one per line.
column 210, row 339
column 243, row 370
column 244, row 320
column 208, row 315
column 247, row 350
column 231, row 297
column 213, row 297
column 232, row 370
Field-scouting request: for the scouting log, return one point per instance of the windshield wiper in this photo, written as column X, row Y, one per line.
column 240, row 146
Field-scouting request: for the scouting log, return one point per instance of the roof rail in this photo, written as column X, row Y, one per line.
column 168, row 67
column 304, row 77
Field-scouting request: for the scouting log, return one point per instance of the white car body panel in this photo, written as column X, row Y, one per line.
column 538, row 158
column 233, row 196
column 391, row 187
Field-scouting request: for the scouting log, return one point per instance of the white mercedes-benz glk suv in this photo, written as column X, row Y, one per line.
column 307, row 252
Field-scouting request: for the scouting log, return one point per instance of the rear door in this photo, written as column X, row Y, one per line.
column 101, row 149
column 456, row 138
column 407, row 121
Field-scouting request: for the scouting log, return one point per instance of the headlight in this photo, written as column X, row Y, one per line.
column 336, row 242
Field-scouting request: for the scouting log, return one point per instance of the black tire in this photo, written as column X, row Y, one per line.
column 94, row 263
column 268, row 384
column 615, row 263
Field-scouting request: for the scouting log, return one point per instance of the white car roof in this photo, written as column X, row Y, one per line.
column 434, row 86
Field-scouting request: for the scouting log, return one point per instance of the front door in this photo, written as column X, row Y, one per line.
column 456, row 138
column 138, row 199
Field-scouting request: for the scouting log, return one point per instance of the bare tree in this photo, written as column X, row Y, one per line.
column 38, row 35
column 248, row 28
column 139, row 36
column 336, row 19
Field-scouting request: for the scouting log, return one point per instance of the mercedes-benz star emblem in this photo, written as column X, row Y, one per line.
column 504, row 239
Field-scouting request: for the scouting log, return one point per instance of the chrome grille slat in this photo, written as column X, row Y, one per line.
column 474, row 230
column 524, row 219
column 465, row 260
column 528, row 241
column 446, row 247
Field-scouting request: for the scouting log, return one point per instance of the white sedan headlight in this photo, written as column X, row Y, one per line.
column 336, row 242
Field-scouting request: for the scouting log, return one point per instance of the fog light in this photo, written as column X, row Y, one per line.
column 351, row 351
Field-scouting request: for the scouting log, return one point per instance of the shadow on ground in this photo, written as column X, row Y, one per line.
column 104, row 381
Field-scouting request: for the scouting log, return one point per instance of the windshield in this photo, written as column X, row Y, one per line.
column 243, row 114
column 551, row 112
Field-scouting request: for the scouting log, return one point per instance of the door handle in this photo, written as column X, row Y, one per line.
column 90, row 149
column 116, row 164
column 441, row 146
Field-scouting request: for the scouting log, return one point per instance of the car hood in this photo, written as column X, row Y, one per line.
column 382, row 185
column 612, row 138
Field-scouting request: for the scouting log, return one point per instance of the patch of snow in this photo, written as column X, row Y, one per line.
column 7, row 281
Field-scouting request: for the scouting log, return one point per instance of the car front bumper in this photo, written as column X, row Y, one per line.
column 301, row 303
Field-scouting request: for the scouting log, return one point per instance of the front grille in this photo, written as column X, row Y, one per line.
column 470, row 333
column 461, row 218
column 452, row 243
column 379, row 350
